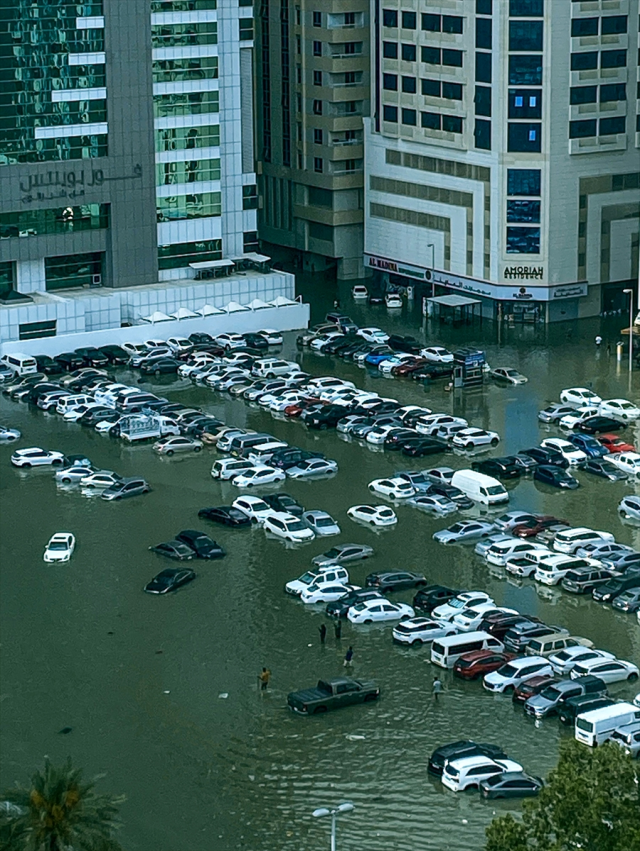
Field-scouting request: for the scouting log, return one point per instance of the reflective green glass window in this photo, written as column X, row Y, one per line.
column 178, row 256
column 189, row 206
column 187, row 172
column 189, row 103
column 183, row 35
column 193, row 68
column 72, row 270
column 250, row 197
column 246, row 29
column 60, row 220
column 15, row 147
column 179, row 138
column 6, row 278
column 182, row 5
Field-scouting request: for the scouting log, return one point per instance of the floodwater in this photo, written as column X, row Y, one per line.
column 161, row 693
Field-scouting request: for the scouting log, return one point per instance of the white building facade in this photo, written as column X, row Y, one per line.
column 502, row 156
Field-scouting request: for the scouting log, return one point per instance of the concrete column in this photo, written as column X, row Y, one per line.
column 30, row 277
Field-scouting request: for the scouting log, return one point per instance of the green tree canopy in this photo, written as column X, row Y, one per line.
column 58, row 811
column 591, row 803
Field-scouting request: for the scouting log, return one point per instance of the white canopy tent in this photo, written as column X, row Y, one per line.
column 234, row 307
column 184, row 313
column 210, row 310
column 157, row 316
column 282, row 301
column 258, row 304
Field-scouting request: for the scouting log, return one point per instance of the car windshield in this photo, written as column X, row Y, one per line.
column 334, row 552
column 457, row 527
column 359, row 607
column 296, row 526
column 324, row 521
column 457, row 604
column 58, row 545
column 551, row 693
column 563, row 656
column 508, row 671
column 236, row 514
column 495, row 489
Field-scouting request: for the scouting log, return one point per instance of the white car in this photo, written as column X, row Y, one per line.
column 326, row 593
column 100, row 479
column 607, row 670
column 570, row 540
column 317, row 384
column 500, row 552
column 619, row 409
column 378, row 435
column 292, row 397
column 74, row 414
column 318, row 343
column 466, row 773
column 36, row 457
column 629, row 507
column 565, row 660
column 375, row 611
column 395, row 488
column 231, row 341
column 188, row 369
column 259, row 475
column 568, row 451
column 628, row 462
column 466, row 599
column 312, row 467
column 517, row 671
column 321, row 523
column 8, row 435
column 287, row 526
column 552, row 568
column 255, row 508
column 580, row 396
column 60, row 547
column 273, row 338
column 470, row 619
column 577, row 416
column 71, row 475
column 469, row 438
column 375, row 515
column 331, row 574
column 430, row 424
column 421, row 631
column 178, row 345
column 135, row 349
column 437, row 354
column 511, row 376
column 438, row 505
column 372, row 335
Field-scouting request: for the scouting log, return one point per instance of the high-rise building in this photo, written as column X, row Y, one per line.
column 502, row 156
column 126, row 147
column 312, row 93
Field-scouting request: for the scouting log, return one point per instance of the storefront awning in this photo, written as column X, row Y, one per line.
column 453, row 300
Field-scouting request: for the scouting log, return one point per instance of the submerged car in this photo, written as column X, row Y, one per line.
column 173, row 549
column 376, row 611
column 226, row 515
column 60, row 547
column 125, row 488
column 464, row 530
column 510, row 784
column 321, row 523
column 170, row 579
column 395, row 580
column 373, row 515
column 36, row 457
column 202, row 545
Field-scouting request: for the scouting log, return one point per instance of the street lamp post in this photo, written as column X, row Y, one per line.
column 433, row 263
column 630, row 293
column 346, row 807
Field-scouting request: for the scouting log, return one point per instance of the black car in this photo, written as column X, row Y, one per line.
column 198, row 427
column 395, row 580
column 418, row 447
column 575, row 706
column 201, row 545
column 541, row 455
column 404, row 344
column 255, row 341
column 554, row 476
column 115, row 354
column 525, row 463
column 500, row 624
column 339, row 608
column 397, row 438
column 174, row 549
column 284, row 502
column 433, row 595
column 48, row 365
column 459, row 750
column 511, row 784
column 170, row 579
column 200, row 337
column 501, row 468
column 92, row 356
column 604, row 468
column 451, row 492
column 609, row 591
column 379, row 409
column 328, row 417
column 161, row 366
column 330, row 347
column 68, row 361
column 226, row 515
column 283, row 459
column 600, row 425
column 433, row 370
column 41, row 389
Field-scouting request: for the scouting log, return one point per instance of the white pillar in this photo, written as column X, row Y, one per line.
column 30, row 276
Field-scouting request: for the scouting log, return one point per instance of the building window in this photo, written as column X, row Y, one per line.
column 184, row 35
column 317, row 230
column 250, row 241
column 483, row 33
column 317, row 78
column 431, row 55
column 431, row 23
column 583, row 94
column 250, row 197
column 7, row 278
column 613, row 91
column 180, row 255
column 73, row 270
column 482, row 100
column 523, row 211
column 177, row 70
column 390, row 113
column 483, row 67
column 525, row 36
column 451, row 124
column 317, row 19
column 317, row 107
column 614, row 24
column 452, row 58
column 431, row 120
column 317, row 136
column 452, row 24
column 389, row 50
column 317, row 48
column 433, row 88
column 409, row 20
column 189, row 171
column 525, row 70
column 409, row 117
column 523, row 240
column 581, row 129
column 36, row 330
column 389, row 18
column 524, row 138
column 408, row 53
column 189, row 206
column 484, row 7
column 60, row 220
column 318, row 197
column 526, row 8
column 523, row 181
column 318, row 165
column 390, row 82
column 611, row 126
column 409, row 85
column 613, row 58
column 451, row 91
column 246, row 29
column 185, row 103
column 482, row 134
column 584, row 61
column 525, row 103
column 442, row 23
column 584, row 26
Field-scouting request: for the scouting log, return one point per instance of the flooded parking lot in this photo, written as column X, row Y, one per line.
column 161, row 693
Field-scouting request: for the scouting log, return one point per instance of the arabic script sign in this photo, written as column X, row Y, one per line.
column 51, row 185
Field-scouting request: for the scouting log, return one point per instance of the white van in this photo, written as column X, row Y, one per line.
column 68, row 403
column 445, row 652
column 227, row 468
column 263, row 453
column 272, row 367
column 593, row 728
column 20, row 364
column 547, row 645
column 479, row 487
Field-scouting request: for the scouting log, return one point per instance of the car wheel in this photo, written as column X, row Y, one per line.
column 197, row 448
column 509, row 690
column 56, row 463
column 26, row 464
column 468, row 446
column 405, row 618
column 368, row 621
column 66, row 481
column 494, row 442
column 169, row 452
column 369, row 697
column 632, row 678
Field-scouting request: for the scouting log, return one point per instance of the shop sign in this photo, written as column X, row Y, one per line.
column 522, row 273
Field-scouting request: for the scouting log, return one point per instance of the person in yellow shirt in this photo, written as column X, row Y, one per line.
column 264, row 676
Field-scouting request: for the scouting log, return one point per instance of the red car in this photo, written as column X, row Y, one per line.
column 480, row 662
column 615, row 444
column 530, row 687
column 533, row 527
column 408, row 366
column 299, row 407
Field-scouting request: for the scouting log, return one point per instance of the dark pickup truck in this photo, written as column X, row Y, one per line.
column 332, row 694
